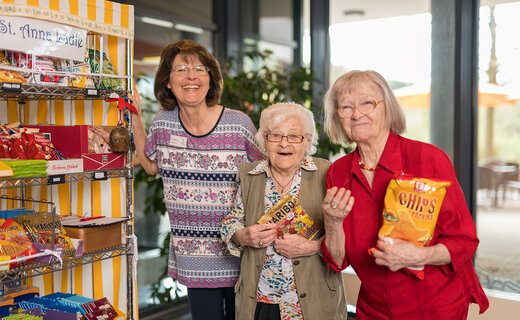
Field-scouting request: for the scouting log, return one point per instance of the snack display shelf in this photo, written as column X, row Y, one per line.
column 34, row 269
column 66, row 178
column 29, row 91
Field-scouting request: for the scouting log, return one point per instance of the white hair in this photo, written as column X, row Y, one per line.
column 276, row 114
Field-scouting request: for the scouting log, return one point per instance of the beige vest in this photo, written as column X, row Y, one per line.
column 320, row 289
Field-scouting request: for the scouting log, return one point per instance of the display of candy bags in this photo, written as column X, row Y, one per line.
column 77, row 67
column 16, row 148
column 44, row 65
column 290, row 218
column 9, row 75
column 108, row 68
column 411, row 210
column 37, row 146
column 40, row 228
column 14, row 242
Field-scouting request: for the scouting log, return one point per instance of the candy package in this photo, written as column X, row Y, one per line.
column 14, row 242
column 9, row 75
column 290, row 218
column 411, row 210
column 98, row 140
column 108, row 68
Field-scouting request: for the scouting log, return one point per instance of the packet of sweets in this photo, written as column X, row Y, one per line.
column 411, row 210
column 290, row 217
column 14, row 242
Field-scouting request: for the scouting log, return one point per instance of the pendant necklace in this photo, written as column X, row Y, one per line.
column 283, row 187
column 364, row 167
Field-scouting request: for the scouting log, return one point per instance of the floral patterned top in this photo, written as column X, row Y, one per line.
column 277, row 284
column 199, row 177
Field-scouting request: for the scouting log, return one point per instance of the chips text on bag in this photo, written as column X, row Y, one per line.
column 411, row 210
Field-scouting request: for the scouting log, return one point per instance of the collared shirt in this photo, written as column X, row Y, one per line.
column 446, row 290
column 277, row 284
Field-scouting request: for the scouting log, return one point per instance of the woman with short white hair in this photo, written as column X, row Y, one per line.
column 282, row 276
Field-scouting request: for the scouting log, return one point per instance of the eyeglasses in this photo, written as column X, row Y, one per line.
column 183, row 70
column 364, row 107
column 291, row 138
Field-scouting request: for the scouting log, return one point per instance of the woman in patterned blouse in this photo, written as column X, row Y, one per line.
column 196, row 145
column 282, row 276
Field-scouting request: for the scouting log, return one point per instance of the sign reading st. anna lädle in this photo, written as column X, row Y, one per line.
column 42, row 38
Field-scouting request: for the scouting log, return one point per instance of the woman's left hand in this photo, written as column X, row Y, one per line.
column 293, row 246
column 398, row 255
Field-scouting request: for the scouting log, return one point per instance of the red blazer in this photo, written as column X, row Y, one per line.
column 446, row 291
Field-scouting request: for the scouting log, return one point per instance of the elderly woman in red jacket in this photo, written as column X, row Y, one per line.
column 360, row 107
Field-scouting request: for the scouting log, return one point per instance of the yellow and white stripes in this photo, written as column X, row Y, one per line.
column 94, row 15
column 115, row 21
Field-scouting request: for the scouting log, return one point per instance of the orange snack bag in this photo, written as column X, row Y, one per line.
column 411, row 210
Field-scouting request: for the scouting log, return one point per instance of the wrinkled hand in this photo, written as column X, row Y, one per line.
column 257, row 235
column 398, row 255
column 337, row 203
column 293, row 246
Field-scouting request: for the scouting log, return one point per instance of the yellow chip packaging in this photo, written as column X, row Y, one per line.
column 412, row 206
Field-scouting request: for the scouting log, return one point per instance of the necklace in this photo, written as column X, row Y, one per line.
column 364, row 167
column 283, row 187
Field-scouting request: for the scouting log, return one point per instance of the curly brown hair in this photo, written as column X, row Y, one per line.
column 187, row 49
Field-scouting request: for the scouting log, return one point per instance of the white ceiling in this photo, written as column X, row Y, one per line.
column 342, row 11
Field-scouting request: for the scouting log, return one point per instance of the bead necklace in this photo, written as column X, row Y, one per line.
column 364, row 167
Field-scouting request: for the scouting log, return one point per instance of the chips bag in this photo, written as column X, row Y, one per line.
column 411, row 210
column 290, row 218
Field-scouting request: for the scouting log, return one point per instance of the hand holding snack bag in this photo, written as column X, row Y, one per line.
column 289, row 216
column 411, row 211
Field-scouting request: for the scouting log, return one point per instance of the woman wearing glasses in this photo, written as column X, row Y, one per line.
column 197, row 146
column 360, row 107
column 282, row 276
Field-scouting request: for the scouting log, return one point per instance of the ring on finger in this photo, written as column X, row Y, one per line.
column 260, row 243
column 334, row 206
column 345, row 213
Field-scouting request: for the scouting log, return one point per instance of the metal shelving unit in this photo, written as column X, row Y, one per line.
column 23, row 92
column 33, row 269
column 28, row 91
column 66, row 178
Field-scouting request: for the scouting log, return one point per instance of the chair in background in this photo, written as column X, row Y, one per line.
column 511, row 180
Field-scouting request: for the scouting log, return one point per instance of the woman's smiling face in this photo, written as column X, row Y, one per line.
column 189, row 89
column 285, row 156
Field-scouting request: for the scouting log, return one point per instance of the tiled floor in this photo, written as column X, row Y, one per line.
column 498, row 229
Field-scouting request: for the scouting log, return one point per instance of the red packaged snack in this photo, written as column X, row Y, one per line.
column 36, row 146
column 16, row 149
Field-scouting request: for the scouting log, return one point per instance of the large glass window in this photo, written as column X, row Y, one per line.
column 392, row 39
column 411, row 44
column 498, row 194
column 268, row 25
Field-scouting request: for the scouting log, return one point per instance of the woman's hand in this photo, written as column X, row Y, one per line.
column 293, row 246
column 139, row 135
column 400, row 254
column 256, row 236
column 135, row 100
column 337, row 204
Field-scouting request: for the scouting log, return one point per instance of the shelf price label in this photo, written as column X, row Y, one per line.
column 42, row 38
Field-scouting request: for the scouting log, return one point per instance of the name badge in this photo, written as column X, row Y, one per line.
column 179, row 142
